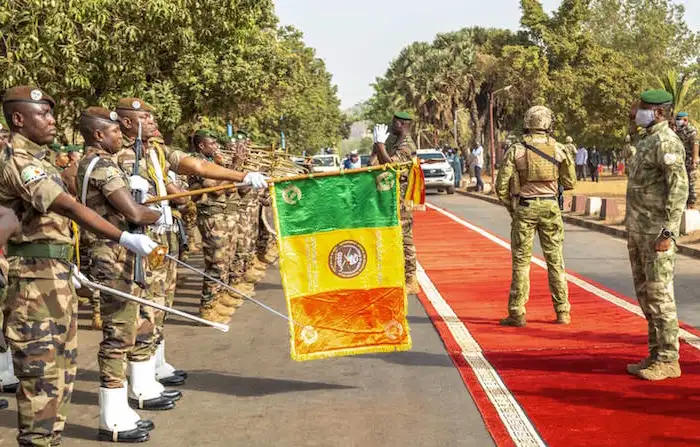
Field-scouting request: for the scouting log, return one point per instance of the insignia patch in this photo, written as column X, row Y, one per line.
column 31, row 174
column 35, row 95
column 347, row 259
column 136, row 105
column 670, row 159
column 113, row 116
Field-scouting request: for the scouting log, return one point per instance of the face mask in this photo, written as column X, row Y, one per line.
column 680, row 123
column 644, row 118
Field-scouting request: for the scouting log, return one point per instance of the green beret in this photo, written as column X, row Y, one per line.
column 403, row 116
column 134, row 105
column 73, row 148
column 206, row 133
column 682, row 115
column 656, row 97
column 27, row 93
column 102, row 114
column 56, row 147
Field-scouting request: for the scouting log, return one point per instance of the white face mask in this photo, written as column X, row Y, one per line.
column 644, row 118
column 680, row 123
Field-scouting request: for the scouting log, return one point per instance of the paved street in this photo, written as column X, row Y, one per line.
column 245, row 390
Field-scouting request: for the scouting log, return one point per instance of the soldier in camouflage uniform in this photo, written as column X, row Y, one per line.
column 527, row 185
column 40, row 309
column 157, row 160
column 398, row 148
column 689, row 136
column 105, row 188
column 214, row 228
column 657, row 191
column 571, row 147
column 8, row 381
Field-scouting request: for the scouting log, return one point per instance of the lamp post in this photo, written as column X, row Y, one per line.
column 493, row 146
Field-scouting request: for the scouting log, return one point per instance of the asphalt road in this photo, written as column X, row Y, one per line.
column 244, row 389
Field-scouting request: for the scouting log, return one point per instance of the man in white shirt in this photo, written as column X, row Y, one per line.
column 478, row 164
column 581, row 160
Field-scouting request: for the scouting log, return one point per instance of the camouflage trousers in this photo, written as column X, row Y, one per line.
column 652, row 273
column 112, row 265
column 247, row 226
column 162, row 282
column 189, row 218
column 41, row 318
column 543, row 217
column 692, row 176
column 409, row 248
column 216, row 247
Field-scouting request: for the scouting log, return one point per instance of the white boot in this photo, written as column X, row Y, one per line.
column 115, row 416
column 7, row 370
column 133, row 415
column 144, row 385
column 163, row 368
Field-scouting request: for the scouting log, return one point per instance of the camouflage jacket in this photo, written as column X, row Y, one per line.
column 105, row 179
column 400, row 151
column 657, row 189
column 509, row 184
column 29, row 184
column 689, row 136
column 207, row 204
column 126, row 158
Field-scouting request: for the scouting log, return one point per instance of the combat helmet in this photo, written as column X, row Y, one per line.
column 539, row 118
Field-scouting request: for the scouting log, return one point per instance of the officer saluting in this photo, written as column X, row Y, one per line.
column 41, row 306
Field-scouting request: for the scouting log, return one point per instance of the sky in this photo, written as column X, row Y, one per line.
column 358, row 38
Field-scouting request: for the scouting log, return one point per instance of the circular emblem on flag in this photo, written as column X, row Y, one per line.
column 291, row 195
column 309, row 335
column 347, row 259
column 393, row 330
column 385, row 181
column 35, row 95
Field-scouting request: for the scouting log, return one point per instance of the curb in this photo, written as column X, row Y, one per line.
column 595, row 226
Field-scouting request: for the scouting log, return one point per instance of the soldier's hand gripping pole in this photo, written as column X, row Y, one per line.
column 82, row 279
column 139, row 274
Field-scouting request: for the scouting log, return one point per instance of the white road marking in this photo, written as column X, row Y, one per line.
column 509, row 410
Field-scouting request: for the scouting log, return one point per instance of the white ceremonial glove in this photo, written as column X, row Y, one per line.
column 77, row 277
column 137, row 243
column 256, row 180
column 138, row 183
column 381, row 133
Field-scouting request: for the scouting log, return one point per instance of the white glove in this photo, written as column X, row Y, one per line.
column 138, row 183
column 256, row 180
column 137, row 243
column 78, row 278
column 381, row 133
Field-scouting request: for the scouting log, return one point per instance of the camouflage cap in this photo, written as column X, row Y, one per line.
column 403, row 116
column 134, row 105
column 539, row 118
column 27, row 93
column 102, row 114
column 656, row 97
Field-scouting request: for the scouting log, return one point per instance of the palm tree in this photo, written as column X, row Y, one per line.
column 680, row 86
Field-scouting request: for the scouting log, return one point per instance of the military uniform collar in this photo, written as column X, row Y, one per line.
column 21, row 142
column 656, row 128
column 98, row 151
column 128, row 141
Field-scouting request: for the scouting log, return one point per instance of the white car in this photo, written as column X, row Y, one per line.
column 437, row 170
column 326, row 163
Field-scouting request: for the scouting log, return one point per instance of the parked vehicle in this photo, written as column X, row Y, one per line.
column 437, row 170
column 326, row 163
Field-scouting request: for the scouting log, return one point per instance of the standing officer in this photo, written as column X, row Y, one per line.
column 628, row 152
column 41, row 309
column 689, row 136
column 214, row 228
column 657, row 191
column 401, row 149
column 532, row 169
column 105, row 188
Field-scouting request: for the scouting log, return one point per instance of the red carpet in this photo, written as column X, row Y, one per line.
column 570, row 381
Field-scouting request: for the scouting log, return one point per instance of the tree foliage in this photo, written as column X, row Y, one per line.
column 588, row 61
column 194, row 60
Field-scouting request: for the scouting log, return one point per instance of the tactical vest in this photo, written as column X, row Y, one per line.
column 537, row 168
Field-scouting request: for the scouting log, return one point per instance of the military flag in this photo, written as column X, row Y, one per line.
column 342, row 264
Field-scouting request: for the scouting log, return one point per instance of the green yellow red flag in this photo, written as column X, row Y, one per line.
column 342, row 264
